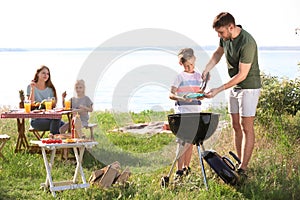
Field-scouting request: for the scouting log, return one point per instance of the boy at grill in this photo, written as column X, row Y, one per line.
column 188, row 81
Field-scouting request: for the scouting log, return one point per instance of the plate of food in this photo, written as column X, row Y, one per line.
column 37, row 111
column 70, row 140
column 83, row 140
column 63, row 136
column 194, row 95
column 58, row 109
column 51, row 141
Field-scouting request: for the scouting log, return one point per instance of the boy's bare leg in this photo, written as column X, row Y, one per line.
column 180, row 159
column 188, row 155
column 180, row 162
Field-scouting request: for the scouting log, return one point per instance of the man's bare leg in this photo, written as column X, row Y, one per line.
column 247, row 124
column 238, row 133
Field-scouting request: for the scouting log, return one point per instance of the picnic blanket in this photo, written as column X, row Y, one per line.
column 145, row 128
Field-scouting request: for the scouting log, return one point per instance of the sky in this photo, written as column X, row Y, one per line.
column 90, row 23
column 77, row 24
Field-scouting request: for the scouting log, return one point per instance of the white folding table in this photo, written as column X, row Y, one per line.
column 69, row 184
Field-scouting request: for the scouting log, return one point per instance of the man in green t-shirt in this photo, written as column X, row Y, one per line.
column 240, row 50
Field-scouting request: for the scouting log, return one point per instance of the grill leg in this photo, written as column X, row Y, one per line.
column 178, row 153
column 202, row 166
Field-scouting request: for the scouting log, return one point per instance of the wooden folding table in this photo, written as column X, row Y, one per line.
column 69, row 184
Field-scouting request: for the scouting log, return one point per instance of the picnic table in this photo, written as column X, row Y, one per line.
column 20, row 115
column 68, row 184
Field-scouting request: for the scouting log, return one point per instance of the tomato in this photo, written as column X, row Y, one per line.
column 51, row 141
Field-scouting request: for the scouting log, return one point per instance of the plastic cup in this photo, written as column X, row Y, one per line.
column 27, row 106
column 48, row 105
column 67, row 104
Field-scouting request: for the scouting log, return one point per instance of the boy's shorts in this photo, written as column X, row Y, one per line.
column 243, row 101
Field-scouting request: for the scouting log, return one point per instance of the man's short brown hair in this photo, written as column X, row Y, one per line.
column 223, row 19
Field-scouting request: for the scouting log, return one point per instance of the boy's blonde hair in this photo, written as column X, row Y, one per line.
column 185, row 54
column 80, row 82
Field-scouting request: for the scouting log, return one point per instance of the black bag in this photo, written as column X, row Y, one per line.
column 222, row 166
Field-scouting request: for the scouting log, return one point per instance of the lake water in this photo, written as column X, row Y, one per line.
column 134, row 81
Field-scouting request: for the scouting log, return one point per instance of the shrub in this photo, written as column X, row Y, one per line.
column 279, row 104
column 279, row 96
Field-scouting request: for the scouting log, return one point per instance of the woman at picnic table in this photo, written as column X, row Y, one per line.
column 41, row 88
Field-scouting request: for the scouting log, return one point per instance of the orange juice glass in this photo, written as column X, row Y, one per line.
column 67, row 104
column 27, row 106
column 53, row 101
column 48, row 105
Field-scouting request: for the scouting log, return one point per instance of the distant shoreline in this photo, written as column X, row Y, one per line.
column 206, row 48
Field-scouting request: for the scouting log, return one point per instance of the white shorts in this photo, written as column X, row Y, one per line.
column 243, row 101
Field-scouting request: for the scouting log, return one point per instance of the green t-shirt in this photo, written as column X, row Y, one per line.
column 242, row 49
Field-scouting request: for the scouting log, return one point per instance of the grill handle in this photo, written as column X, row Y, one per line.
column 228, row 163
column 235, row 157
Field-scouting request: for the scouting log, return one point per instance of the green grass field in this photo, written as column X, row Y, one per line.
column 274, row 168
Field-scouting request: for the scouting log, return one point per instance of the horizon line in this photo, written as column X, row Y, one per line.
column 206, row 47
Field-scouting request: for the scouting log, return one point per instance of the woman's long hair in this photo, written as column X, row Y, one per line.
column 48, row 82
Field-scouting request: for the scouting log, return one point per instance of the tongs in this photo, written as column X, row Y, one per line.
column 202, row 88
column 203, row 85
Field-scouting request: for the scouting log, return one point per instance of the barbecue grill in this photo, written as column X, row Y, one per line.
column 195, row 128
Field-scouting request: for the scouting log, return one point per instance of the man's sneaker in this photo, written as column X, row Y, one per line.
column 186, row 171
column 242, row 176
column 178, row 175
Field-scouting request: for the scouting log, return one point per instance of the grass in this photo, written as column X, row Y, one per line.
column 274, row 168
column 140, row 143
